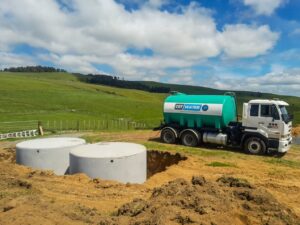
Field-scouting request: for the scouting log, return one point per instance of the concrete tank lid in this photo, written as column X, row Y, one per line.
column 51, row 143
column 108, row 150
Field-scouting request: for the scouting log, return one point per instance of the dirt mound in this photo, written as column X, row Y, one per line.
column 133, row 208
column 7, row 155
column 198, row 180
column 234, row 182
column 228, row 200
column 296, row 130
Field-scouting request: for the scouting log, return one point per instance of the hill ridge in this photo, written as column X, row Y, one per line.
column 50, row 96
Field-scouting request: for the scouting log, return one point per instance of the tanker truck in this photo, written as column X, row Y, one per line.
column 194, row 120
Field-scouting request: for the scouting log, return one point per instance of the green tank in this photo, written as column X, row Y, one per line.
column 200, row 111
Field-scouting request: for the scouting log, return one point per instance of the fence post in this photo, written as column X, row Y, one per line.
column 40, row 128
column 78, row 125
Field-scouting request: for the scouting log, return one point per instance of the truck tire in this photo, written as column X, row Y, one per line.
column 255, row 146
column 168, row 136
column 188, row 138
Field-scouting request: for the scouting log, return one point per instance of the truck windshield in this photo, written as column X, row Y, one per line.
column 284, row 113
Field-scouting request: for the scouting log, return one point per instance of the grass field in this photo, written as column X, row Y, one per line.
column 61, row 96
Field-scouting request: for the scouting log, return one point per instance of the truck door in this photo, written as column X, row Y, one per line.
column 270, row 120
column 253, row 120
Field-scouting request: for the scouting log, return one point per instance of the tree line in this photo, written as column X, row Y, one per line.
column 33, row 69
column 121, row 83
column 94, row 78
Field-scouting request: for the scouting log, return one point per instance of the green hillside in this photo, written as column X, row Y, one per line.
column 61, row 96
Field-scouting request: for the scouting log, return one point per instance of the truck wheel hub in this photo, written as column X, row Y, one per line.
column 168, row 137
column 189, row 139
column 254, row 146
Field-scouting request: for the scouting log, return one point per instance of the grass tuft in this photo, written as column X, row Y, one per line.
column 284, row 162
column 221, row 164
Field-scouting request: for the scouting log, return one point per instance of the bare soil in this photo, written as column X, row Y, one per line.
column 178, row 191
column 158, row 161
column 225, row 201
column 296, row 130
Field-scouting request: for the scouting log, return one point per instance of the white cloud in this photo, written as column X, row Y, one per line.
column 14, row 60
column 105, row 28
column 100, row 31
column 157, row 3
column 146, row 3
column 129, row 66
column 277, row 68
column 264, row 7
column 285, row 82
column 183, row 76
column 241, row 40
column 295, row 32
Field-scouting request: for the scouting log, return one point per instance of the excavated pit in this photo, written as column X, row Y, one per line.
column 159, row 161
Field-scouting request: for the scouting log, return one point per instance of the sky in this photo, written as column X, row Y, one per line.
column 248, row 45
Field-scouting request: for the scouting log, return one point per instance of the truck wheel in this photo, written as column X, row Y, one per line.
column 255, row 146
column 189, row 139
column 168, row 136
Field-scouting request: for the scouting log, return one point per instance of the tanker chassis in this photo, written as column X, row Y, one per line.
column 212, row 119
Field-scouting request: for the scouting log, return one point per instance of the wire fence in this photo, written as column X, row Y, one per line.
column 91, row 125
column 71, row 125
column 16, row 126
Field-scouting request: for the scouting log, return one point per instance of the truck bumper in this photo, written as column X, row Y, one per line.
column 284, row 145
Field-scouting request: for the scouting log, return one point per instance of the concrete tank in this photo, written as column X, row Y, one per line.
column 196, row 111
column 47, row 153
column 120, row 161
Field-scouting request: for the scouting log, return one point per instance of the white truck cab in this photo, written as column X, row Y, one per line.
column 271, row 121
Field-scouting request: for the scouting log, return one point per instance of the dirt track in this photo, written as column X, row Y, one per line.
column 272, row 195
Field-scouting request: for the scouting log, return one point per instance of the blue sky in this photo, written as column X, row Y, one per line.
column 235, row 44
